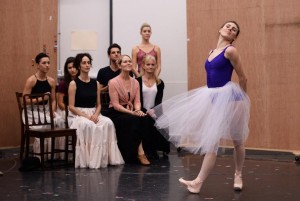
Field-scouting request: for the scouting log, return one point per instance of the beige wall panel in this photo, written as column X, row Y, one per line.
column 268, row 45
column 282, row 27
column 26, row 29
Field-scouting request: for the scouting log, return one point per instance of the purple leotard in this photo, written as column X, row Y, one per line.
column 218, row 71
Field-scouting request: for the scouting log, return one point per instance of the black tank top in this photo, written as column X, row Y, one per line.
column 86, row 93
column 41, row 87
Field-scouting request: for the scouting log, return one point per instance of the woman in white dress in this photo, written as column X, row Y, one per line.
column 96, row 138
column 39, row 83
column 70, row 73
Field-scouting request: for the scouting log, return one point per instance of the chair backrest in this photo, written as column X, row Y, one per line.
column 104, row 97
column 19, row 97
column 38, row 110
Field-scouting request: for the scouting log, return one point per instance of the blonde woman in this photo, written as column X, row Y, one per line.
column 151, row 90
column 145, row 48
column 125, row 111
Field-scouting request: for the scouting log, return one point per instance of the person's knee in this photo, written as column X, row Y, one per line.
column 238, row 145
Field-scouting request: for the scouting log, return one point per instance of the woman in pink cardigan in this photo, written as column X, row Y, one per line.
column 125, row 112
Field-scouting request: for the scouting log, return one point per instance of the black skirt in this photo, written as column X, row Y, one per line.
column 131, row 131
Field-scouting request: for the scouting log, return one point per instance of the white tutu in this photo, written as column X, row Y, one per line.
column 198, row 119
column 96, row 144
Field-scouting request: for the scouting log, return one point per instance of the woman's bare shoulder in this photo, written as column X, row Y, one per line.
column 31, row 79
column 231, row 49
column 135, row 48
column 231, row 52
column 51, row 80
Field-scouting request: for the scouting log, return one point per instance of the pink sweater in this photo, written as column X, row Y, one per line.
column 119, row 95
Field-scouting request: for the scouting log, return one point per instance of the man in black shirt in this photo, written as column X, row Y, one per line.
column 109, row 72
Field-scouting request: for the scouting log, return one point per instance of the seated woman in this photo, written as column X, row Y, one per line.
column 38, row 83
column 151, row 89
column 125, row 112
column 96, row 138
column 70, row 73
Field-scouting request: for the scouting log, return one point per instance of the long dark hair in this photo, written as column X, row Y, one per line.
column 67, row 76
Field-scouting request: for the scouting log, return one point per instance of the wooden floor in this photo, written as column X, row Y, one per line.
column 268, row 176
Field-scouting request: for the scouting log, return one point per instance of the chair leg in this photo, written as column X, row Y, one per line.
column 74, row 138
column 42, row 152
column 66, row 149
column 22, row 147
column 27, row 140
column 52, row 150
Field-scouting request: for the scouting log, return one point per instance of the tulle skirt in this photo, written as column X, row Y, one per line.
column 96, row 144
column 199, row 119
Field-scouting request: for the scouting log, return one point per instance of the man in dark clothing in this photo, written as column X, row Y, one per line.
column 111, row 71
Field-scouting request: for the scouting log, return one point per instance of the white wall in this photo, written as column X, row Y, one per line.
column 166, row 17
column 169, row 31
column 83, row 15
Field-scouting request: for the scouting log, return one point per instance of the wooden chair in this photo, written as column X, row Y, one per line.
column 39, row 123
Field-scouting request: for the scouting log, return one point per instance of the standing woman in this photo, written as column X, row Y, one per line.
column 151, row 90
column 144, row 48
column 38, row 83
column 202, row 117
column 125, row 112
column 96, row 138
